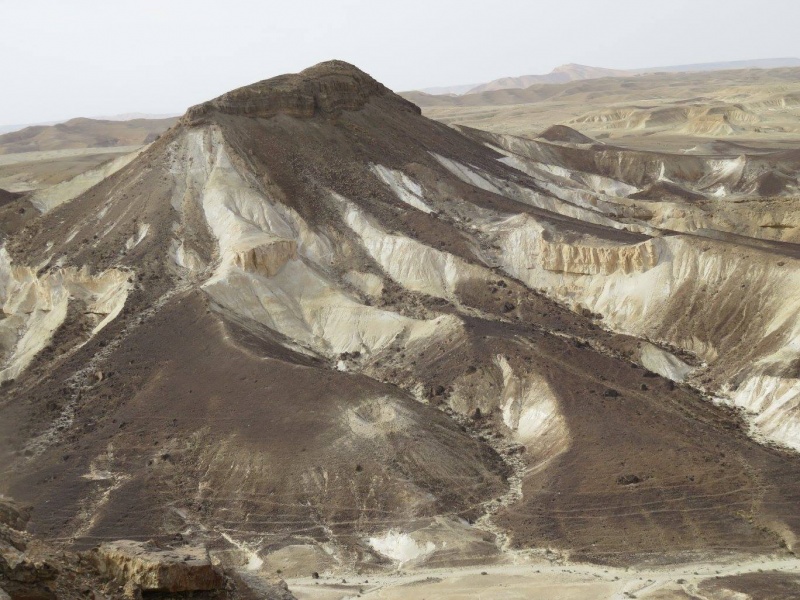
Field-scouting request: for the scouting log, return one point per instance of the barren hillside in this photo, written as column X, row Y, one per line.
column 317, row 331
column 752, row 105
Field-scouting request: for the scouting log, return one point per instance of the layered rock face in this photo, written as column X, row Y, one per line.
column 35, row 307
column 24, row 573
column 592, row 260
column 685, row 286
column 327, row 89
column 353, row 335
column 34, row 569
column 151, row 569
column 267, row 258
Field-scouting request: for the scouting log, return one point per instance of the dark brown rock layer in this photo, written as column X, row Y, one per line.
column 326, row 88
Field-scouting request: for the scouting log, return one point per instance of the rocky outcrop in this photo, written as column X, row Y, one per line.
column 148, row 568
column 267, row 258
column 13, row 515
column 50, row 198
column 19, row 568
column 327, row 88
column 22, row 574
column 33, row 306
column 597, row 260
column 35, row 569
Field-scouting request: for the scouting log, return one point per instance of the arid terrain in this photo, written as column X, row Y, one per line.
column 532, row 343
column 84, row 133
column 576, row 72
column 41, row 156
column 656, row 110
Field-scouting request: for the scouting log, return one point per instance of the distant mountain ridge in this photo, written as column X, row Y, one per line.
column 118, row 117
column 759, row 63
column 576, row 72
column 561, row 74
column 84, row 133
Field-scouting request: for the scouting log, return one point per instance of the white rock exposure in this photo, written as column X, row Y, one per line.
column 54, row 196
column 406, row 189
column 401, row 547
column 34, row 306
column 274, row 269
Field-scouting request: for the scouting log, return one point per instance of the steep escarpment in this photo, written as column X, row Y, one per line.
column 355, row 335
column 728, row 299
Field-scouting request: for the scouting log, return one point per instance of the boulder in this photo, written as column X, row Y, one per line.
column 19, row 567
column 152, row 569
column 15, row 564
column 13, row 514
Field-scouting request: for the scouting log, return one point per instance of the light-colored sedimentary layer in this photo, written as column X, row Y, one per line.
column 438, row 541
column 267, row 256
column 274, row 269
column 531, row 411
column 150, row 569
column 34, row 306
column 401, row 547
column 644, row 289
column 773, row 401
column 584, row 259
column 569, row 204
column 52, row 197
column 135, row 240
column 404, row 187
column 664, row 363
column 305, row 307
column 414, row 265
column 596, row 183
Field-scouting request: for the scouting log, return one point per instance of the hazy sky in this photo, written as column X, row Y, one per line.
column 67, row 58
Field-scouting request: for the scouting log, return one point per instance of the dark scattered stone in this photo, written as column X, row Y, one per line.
column 628, row 479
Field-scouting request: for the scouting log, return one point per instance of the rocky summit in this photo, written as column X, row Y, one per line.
column 310, row 333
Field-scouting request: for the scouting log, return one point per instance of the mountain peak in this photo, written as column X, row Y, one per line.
column 570, row 67
column 323, row 89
